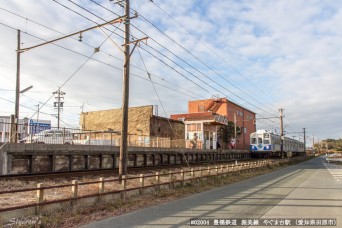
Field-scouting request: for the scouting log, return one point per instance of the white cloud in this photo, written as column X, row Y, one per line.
column 274, row 53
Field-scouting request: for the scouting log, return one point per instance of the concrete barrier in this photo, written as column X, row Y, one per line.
column 45, row 158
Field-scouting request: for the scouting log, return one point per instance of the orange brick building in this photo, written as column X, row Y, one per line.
column 245, row 119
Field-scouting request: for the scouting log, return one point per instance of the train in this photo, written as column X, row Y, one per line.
column 268, row 144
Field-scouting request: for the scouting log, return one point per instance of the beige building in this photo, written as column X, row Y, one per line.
column 144, row 128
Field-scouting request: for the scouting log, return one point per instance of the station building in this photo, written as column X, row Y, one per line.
column 215, row 112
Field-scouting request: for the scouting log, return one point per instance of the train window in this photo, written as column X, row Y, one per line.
column 253, row 141
column 260, row 140
column 266, row 141
column 266, row 135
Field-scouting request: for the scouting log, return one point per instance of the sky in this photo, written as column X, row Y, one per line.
column 263, row 55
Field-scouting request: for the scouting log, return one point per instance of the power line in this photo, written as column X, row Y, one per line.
column 99, row 61
column 161, row 103
column 25, row 106
column 85, row 16
column 107, row 29
column 215, row 53
column 161, row 54
column 106, row 64
column 89, row 45
column 181, row 58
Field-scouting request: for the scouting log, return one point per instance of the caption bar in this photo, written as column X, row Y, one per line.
column 264, row 222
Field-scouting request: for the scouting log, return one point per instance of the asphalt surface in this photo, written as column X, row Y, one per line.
column 310, row 190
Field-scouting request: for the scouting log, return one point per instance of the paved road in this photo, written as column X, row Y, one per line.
column 311, row 189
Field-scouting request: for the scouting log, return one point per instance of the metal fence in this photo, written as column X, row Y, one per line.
column 103, row 186
column 28, row 133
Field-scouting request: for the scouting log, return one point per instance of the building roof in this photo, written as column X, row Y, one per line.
column 201, row 116
column 214, row 105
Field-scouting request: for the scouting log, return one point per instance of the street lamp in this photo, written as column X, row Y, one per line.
column 15, row 120
column 25, row 90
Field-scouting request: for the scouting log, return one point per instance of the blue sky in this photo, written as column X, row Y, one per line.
column 261, row 54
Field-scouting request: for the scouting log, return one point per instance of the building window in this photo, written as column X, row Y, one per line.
column 239, row 113
column 244, row 130
column 249, row 117
column 199, row 127
column 194, row 127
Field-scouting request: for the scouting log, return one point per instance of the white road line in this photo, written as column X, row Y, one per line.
column 334, row 170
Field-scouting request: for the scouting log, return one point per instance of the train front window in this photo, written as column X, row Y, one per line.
column 266, row 141
column 253, row 141
column 260, row 140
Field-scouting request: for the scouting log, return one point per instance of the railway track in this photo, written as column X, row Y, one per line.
column 95, row 172
column 108, row 172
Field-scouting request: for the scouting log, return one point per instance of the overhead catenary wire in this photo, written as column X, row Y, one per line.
column 24, row 106
column 116, row 33
column 203, row 45
column 144, row 49
column 208, row 48
column 108, row 54
column 109, row 65
column 180, row 59
column 202, row 62
column 99, row 62
column 161, row 103
column 177, row 55
column 72, row 75
column 62, row 47
column 198, row 59
column 154, row 88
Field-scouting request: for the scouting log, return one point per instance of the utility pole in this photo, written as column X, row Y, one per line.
column 125, row 90
column 281, row 132
column 14, row 135
column 59, row 104
column 125, row 95
column 14, row 125
column 304, row 142
column 37, row 119
column 313, row 140
column 235, row 130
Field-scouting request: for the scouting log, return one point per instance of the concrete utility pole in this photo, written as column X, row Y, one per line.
column 59, row 104
column 37, row 119
column 14, row 125
column 304, row 141
column 313, row 140
column 125, row 90
column 281, row 132
column 125, row 96
column 235, row 131
column 14, row 135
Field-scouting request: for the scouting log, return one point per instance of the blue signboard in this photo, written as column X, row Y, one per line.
column 36, row 127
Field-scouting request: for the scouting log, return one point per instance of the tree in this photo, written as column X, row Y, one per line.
column 226, row 132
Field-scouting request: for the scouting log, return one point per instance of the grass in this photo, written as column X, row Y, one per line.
column 78, row 215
